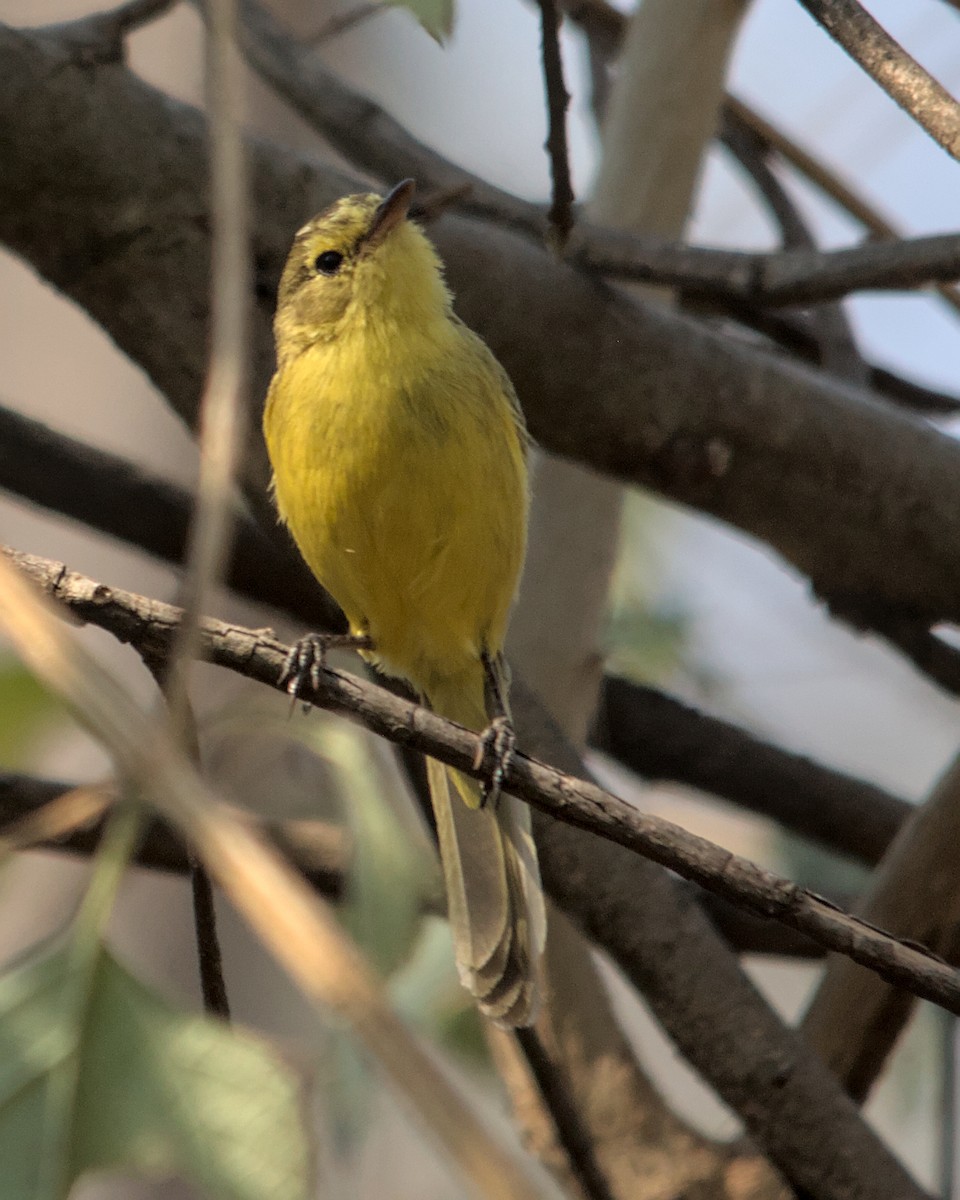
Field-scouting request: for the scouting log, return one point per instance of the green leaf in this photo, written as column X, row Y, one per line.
column 427, row 992
column 26, row 708
column 393, row 872
column 436, row 16
column 107, row 1075
column 388, row 872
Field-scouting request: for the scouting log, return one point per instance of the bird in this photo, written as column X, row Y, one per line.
column 399, row 457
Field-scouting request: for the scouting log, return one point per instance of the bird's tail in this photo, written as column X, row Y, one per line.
column 494, row 895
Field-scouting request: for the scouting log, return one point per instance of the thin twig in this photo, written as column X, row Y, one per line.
column 222, row 413
column 209, row 956
column 213, row 988
column 571, row 1132
column 362, row 130
column 257, row 655
column 781, row 278
column 558, row 100
column 222, row 409
column 889, row 65
column 827, row 181
column 602, row 26
column 838, row 345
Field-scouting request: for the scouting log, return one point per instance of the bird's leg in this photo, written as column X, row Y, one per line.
column 308, row 657
column 498, row 741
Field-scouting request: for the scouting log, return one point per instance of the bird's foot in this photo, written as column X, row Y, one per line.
column 308, row 657
column 494, row 754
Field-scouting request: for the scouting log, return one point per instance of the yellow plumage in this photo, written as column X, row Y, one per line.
column 399, row 466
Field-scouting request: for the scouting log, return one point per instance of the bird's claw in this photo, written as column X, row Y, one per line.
column 307, row 659
column 497, row 747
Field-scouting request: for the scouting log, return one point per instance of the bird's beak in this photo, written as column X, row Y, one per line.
column 390, row 212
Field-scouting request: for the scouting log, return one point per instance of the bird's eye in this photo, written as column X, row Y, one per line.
column 329, row 262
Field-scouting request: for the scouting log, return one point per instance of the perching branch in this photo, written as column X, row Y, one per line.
column 151, row 625
column 654, row 734
column 889, row 65
column 765, row 1079
column 296, row 927
column 648, row 731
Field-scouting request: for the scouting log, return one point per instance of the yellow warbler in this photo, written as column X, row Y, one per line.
column 399, row 459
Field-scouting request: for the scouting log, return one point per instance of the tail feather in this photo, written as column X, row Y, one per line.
column 494, row 895
column 494, row 900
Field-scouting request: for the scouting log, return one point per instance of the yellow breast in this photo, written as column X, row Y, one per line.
column 400, row 472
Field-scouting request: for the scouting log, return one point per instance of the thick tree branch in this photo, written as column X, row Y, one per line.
column 320, row 851
column 100, row 36
column 840, row 486
column 116, row 497
column 889, row 65
column 788, row 1100
column 662, row 738
column 151, row 625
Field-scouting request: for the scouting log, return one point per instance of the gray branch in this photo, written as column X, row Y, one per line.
column 889, row 65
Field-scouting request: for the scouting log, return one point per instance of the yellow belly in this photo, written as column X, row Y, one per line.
column 406, row 494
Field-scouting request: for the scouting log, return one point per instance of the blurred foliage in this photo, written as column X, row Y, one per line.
column 427, row 992
column 392, row 874
column 646, row 636
column 820, row 869
column 98, row 1073
column 436, row 16
column 257, row 749
column 27, row 711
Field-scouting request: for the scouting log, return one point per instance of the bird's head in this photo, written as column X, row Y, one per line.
column 360, row 262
